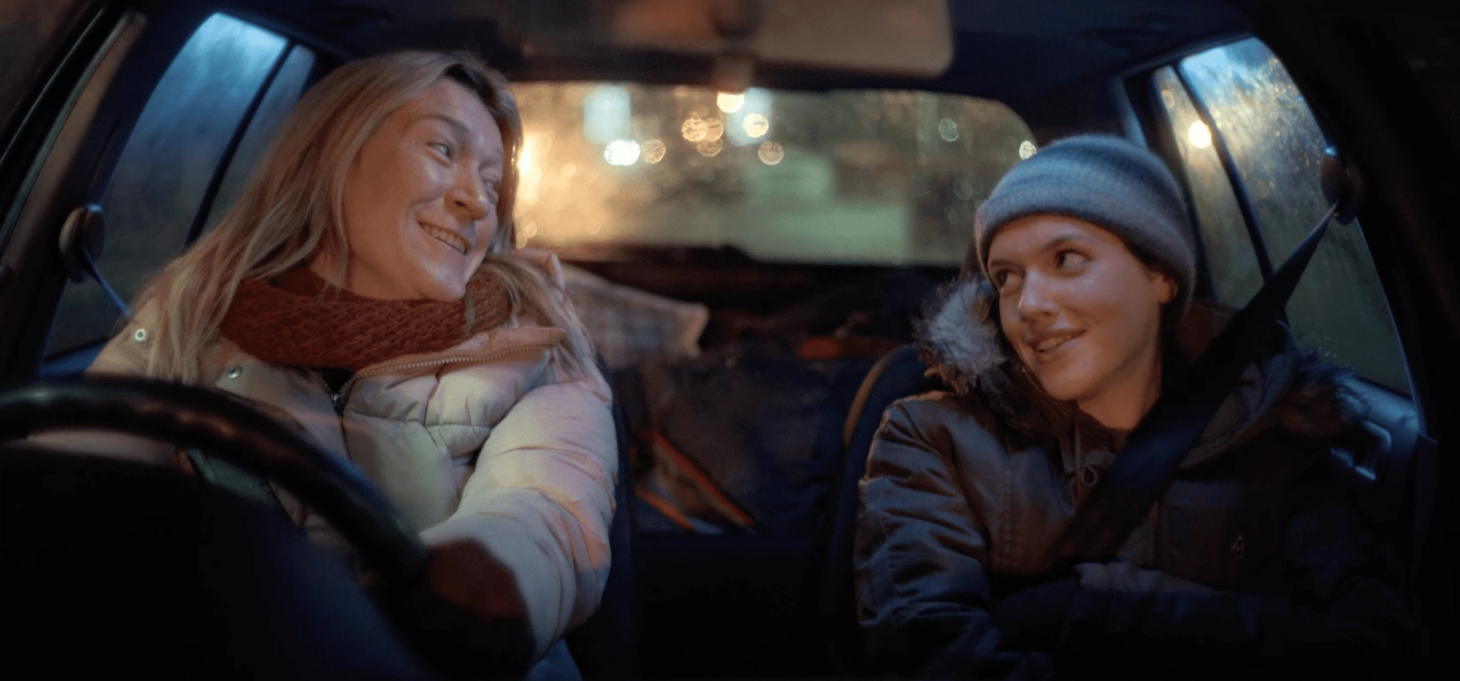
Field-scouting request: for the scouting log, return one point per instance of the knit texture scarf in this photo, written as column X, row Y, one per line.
column 295, row 319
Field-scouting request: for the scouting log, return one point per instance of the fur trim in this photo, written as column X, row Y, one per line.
column 960, row 341
column 958, row 338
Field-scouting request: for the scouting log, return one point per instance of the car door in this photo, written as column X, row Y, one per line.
column 1237, row 129
column 60, row 57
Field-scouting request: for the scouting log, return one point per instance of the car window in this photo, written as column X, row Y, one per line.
column 169, row 168
column 1231, row 259
column 1277, row 150
column 278, row 101
column 885, row 177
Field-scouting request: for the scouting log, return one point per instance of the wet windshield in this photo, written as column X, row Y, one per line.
column 889, row 177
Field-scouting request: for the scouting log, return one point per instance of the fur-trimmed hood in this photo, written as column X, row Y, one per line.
column 960, row 340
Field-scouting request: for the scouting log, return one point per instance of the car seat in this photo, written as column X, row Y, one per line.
column 607, row 645
column 898, row 374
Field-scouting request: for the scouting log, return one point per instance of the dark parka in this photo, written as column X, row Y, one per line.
column 1253, row 551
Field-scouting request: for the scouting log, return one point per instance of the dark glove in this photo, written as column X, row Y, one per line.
column 468, row 618
column 1034, row 619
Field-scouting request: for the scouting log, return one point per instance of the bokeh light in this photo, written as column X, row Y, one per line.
column 694, row 129
column 755, row 108
column 652, row 151
column 770, row 153
column 606, row 113
column 1199, row 134
column 621, row 152
column 756, row 125
column 714, row 129
column 527, row 155
column 709, row 147
column 730, row 102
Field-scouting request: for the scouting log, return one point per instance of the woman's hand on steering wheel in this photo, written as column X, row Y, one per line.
column 468, row 613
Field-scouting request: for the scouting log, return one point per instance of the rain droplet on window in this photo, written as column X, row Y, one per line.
column 963, row 189
column 948, row 130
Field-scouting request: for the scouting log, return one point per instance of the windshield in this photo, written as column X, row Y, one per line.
column 876, row 177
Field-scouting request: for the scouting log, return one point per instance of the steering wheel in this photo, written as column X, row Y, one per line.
column 240, row 435
column 457, row 644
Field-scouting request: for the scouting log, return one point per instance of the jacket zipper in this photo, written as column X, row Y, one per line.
column 323, row 384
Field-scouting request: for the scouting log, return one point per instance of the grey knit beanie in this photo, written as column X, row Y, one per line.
column 1105, row 180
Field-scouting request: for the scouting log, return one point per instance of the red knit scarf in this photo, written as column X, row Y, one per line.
column 293, row 320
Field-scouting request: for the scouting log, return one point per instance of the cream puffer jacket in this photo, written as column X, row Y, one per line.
column 481, row 441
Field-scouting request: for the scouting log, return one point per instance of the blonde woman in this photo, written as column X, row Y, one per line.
column 366, row 288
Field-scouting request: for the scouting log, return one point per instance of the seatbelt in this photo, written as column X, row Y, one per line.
column 1155, row 449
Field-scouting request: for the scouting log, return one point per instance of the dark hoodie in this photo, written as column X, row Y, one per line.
column 1254, row 555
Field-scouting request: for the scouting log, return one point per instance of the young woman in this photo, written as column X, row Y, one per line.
column 365, row 287
column 1074, row 310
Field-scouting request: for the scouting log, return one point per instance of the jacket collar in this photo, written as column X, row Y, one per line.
column 959, row 339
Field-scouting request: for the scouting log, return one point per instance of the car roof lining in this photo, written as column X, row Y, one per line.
column 1005, row 51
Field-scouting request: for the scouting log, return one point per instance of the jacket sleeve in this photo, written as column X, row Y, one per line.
column 541, row 500
column 1329, row 598
column 923, row 595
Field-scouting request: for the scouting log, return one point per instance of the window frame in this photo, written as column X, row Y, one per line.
column 1143, row 119
column 33, row 279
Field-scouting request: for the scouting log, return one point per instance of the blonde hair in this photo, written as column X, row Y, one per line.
column 292, row 207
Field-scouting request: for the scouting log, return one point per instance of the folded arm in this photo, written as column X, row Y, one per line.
column 1326, row 598
column 540, row 501
column 923, row 593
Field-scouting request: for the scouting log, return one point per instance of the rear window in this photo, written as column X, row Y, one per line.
column 875, row 177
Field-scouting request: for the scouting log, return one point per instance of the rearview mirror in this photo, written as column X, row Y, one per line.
column 912, row 38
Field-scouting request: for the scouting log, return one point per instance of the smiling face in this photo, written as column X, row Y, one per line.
column 420, row 199
column 1083, row 313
